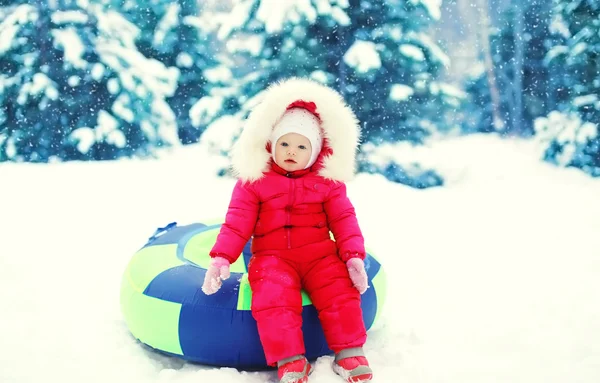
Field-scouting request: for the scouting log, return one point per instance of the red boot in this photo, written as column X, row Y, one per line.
column 294, row 370
column 352, row 365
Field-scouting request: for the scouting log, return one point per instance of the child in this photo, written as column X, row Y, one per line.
column 292, row 159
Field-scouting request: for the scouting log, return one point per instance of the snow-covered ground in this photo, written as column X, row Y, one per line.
column 494, row 277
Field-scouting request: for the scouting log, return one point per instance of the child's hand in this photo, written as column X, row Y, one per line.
column 217, row 271
column 358, row 274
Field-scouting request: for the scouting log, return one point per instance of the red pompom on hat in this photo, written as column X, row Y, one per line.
column 308, row 105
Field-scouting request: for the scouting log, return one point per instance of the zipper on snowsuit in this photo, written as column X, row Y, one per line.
column 289, row 212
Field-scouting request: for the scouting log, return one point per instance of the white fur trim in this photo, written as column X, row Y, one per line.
column 340, row 126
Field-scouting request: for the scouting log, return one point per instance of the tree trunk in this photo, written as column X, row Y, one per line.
column 518, row 64
column 489, row 64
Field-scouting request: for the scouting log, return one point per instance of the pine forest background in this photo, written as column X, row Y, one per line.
column 92, row 80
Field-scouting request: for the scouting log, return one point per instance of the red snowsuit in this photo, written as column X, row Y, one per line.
column 290, row 216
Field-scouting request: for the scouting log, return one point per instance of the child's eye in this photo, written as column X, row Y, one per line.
column 302, row 147
column 284, row 144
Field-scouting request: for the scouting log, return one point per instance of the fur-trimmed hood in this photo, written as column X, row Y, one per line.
column 341, row 130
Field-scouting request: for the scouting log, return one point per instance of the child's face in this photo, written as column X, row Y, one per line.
column 292, row 152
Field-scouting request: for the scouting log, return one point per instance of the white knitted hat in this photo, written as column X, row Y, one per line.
column 301, row 121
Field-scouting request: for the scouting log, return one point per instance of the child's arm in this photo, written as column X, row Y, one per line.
column 342, row 221
column 239, row 223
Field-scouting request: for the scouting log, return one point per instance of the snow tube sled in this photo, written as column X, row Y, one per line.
column 165, row 308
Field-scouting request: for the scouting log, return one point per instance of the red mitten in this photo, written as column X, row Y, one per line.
column 216, row 272
column 358, row 274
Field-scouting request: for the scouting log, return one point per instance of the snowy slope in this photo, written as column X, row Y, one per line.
column 495, row 276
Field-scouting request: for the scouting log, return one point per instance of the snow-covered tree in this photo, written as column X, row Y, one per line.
column 377, row 54
column 568, row 141
column 576, row 55
column 174, row 32
column 393, row 66
column 266, row 41
column 74, row 86
column 571, row 132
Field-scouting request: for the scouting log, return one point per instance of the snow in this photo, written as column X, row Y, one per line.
column 63, row 17
column 320, row 76
column 335, row 9
column 588, row 99
column 401, row 92
column 323, row 6
column 448, row 90
column 579, row 48
column 29, row 59
column 363, row 56
column 148, row 81
column 185, row 60
column 568, row 131
column 412, row 51
column 494, row 277
column 74, row 80
column 219, row 136
column 219, row 73
column 452, row 90
column 11, row 148
column 252, row 44
column 84, row 137
column 559, row 26
column 169, row 22
column 554, row 52
column 10, row 25
column 433, row 7
column 434, row 50
column 106, row 130
column 68, row 40
column 98, row 71
column 205, row 110
column 120, row 108
column 39, row 84
column 113, row 26
column 274, row 14
column 340, row 16
column 113, row 86
column 234, row 19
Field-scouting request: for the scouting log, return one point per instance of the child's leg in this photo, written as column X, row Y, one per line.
column 338, row 302
column 276, row 307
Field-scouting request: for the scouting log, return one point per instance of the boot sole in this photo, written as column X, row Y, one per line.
column 348, row 377
column 304, row 379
